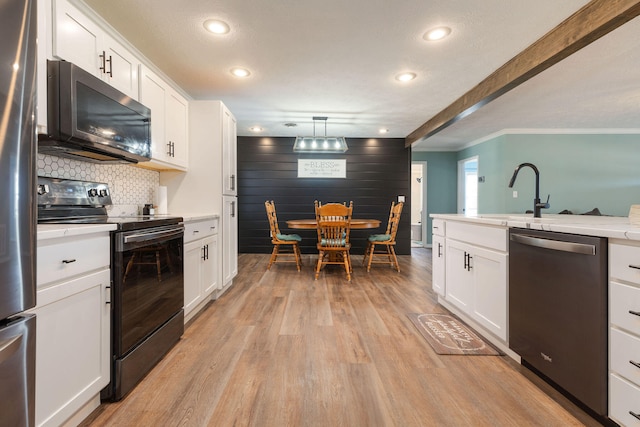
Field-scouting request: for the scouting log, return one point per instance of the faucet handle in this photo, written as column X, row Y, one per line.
column 545, row 205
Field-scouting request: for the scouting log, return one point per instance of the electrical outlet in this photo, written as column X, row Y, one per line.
column 515, row 194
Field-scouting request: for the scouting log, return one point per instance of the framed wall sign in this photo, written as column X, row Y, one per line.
column 322, row 168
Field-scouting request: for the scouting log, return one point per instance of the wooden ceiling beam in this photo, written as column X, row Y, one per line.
column 588, row 24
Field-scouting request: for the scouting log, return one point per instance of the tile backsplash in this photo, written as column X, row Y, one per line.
column 130, row 185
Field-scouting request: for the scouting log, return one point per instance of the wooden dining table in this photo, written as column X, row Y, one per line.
column 357, row 223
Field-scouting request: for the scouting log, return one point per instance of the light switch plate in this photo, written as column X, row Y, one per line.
column 515, row 194
column 400, row 199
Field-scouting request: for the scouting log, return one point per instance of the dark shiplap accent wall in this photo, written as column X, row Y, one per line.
column 378, row 170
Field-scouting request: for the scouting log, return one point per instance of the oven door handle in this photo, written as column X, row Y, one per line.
column 153, row 235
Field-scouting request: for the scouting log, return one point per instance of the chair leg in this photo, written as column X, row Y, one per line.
column 319, row 265
column 274, row 255
column 372, row 248
column 347, row 265
column 296, row 253
column 366, row 253
column 395, row 259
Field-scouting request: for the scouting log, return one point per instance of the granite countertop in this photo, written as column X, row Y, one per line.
column 603, row 226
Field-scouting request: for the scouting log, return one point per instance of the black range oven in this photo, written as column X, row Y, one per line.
column 147, row 280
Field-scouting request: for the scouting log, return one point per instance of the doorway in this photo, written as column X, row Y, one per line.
column 418, row 204
column 468, row 186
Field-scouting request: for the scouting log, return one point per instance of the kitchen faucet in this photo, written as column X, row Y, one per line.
column 537, row 206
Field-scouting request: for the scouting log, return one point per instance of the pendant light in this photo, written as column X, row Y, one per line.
column 320, row 144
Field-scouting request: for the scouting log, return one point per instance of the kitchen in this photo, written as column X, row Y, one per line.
column 133, row 186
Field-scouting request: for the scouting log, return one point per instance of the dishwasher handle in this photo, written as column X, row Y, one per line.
column 557, row 245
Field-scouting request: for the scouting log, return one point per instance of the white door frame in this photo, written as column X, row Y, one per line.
column 462, row 181
column 423, row 214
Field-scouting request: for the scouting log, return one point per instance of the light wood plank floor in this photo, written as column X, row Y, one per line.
column 281, row 349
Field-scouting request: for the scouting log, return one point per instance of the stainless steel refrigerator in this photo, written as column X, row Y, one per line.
column 17, row 211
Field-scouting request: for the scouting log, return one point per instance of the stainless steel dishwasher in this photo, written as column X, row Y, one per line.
column 558, row 310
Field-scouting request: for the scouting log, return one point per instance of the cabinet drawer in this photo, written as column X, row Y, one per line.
column 625, row 355
column 624, row 300
column 438, row 227
column 198, row 229
column 622, row 260
column 624, row 398
column 63, row 258
column 480, row 235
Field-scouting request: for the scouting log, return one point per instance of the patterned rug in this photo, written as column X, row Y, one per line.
column 448, row 335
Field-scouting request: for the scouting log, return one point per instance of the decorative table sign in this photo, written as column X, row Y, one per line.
column 322, row 168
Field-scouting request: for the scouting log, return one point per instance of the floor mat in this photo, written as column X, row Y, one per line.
column 448, row 335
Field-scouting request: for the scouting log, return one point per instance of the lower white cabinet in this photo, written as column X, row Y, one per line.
column 624, row 332
column 229, row 239
column 475, row 274
column 200, row 265
column 73, row 326
column 438, row 264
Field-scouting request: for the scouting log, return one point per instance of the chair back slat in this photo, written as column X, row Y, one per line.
column 334, row 223
column 394, row 219
column 273, row 218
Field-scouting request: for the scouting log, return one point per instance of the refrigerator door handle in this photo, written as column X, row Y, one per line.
column 9, row 347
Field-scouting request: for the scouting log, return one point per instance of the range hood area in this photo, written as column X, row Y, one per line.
column 89, row 120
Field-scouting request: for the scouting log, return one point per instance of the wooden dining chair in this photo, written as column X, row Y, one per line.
column 279, row 240
column 386, row 241
column 333, row 227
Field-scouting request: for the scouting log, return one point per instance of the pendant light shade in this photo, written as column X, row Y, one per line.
column 320, row 144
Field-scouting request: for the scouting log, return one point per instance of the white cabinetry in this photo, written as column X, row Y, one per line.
column 73, row 326
column 438, row 249
column 200, row 264
column 78, row 39
column 624, row 333
column 229, row 154
column 212, row 127
column 229, row 240
column 169, row 118
column 475, row 278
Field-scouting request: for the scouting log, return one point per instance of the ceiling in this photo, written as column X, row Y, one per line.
column 339, row 59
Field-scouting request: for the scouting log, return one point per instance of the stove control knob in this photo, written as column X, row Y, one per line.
column 103, row 193
column 93, row 192
column 43, row 189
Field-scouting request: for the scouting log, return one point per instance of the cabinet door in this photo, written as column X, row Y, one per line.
column 176, row 128
column 438, row 264
column 121, row 68
column 72, row 346
column 192, row 275
column 229, row 239
column 490, row 290
column 459, row 288
column 229, row 154
column 76, row 38
column 152, row 94
column 210, row 265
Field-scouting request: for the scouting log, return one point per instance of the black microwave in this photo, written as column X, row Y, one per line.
column 89, row 120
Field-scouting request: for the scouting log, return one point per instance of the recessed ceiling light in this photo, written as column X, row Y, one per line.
column 216, row 27
column 383, row 130
column 255, row 129
column 405, row 77
column 240, row 72
column 437, row 33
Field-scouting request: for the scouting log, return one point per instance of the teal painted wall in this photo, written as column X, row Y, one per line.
column 580, row 172
column 442, row 185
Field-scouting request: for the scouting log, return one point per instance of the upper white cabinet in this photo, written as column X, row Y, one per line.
column 78, row 39
column 229, row 154
column 169, row 118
